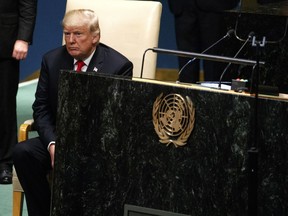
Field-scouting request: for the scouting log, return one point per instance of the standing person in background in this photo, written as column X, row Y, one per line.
column 17, row 22
column 199, row 24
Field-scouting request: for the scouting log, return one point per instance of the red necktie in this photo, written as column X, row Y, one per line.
column 80, row 64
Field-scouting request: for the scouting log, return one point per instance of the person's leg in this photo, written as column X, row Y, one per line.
column 212, row 29
column 187, row 39
column 9, row 79
column 32, row 163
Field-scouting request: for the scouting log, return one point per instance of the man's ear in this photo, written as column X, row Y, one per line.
column 96, row 39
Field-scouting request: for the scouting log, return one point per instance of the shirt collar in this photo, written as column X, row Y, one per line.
column 87, row 60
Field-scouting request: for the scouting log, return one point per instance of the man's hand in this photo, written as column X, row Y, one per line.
column 52, row 153
column 20, row 50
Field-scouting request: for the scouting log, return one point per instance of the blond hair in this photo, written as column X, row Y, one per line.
column 82, row 17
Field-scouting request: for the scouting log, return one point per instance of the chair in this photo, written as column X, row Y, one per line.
column 18, row 193
column 128, row 26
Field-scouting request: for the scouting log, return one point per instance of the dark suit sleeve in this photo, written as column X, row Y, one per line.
column 126, row 69
column 113, row 62
column 43, row 114
column 176, row 6
column 27, row 17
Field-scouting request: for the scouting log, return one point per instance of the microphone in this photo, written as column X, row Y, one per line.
column 251, row 34
column 198, row 55
column 228, row 35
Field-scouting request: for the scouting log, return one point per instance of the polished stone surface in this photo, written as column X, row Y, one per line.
column 108, row 153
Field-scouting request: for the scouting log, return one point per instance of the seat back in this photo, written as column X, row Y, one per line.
column 128, row 26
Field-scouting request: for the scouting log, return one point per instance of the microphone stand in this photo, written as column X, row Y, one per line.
column 199, row 56
column 228, row 35
column 253, row 151
column 226, row 68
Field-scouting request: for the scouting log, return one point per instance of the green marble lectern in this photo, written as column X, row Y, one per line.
column 109, row 153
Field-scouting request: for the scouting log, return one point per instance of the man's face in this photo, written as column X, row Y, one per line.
column 80, row 42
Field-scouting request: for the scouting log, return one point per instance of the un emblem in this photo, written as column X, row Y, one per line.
column 173, row 119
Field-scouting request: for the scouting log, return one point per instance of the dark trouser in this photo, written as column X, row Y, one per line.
column 195, row 31
column 32, row 163
column 9, row 79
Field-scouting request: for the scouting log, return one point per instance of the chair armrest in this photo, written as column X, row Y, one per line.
column 24, row 129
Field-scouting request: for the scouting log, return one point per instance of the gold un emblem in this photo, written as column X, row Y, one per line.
column 173, row 118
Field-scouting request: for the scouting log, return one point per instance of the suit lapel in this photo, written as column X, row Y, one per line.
column 97, row 60
column 67, row 62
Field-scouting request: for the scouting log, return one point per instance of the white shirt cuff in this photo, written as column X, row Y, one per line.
column 51, row 143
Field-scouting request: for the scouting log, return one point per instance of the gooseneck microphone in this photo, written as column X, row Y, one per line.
column 200, row 56
column 228, row 35
column 251, row 34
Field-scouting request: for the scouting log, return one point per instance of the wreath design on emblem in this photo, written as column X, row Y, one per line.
column 173, row 119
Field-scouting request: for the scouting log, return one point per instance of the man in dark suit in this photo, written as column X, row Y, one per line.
column 34, row 158
column 199, row 24
column 17, row 21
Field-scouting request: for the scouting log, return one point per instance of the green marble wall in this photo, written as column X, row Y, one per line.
column 109, row 155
